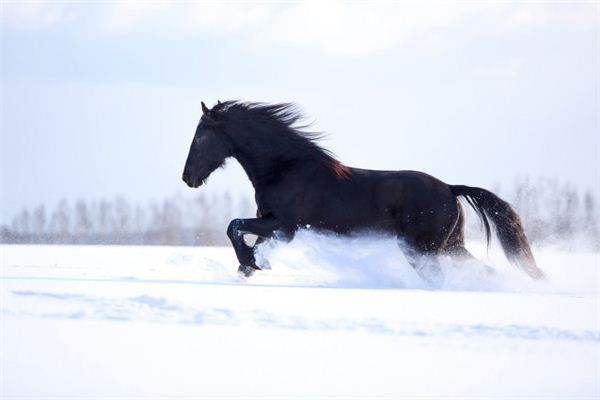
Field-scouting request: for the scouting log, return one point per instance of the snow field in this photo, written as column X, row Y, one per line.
column 333, row 318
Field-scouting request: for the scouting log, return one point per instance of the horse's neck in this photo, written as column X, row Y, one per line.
column 248, row 165
column 263, row 164
column 262, row 167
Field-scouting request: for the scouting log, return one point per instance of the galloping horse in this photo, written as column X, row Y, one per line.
column 297, row 184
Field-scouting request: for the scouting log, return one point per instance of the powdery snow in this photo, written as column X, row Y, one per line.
column 334, row 317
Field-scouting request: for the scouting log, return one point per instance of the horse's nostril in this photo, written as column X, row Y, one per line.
column 191, row 182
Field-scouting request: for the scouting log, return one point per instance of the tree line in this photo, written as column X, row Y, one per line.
column 552, row 212
column 200, row 220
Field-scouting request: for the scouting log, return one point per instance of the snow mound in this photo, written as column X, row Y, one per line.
column 376, row 261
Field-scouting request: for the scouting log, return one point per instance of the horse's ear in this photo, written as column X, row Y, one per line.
column 219, row 102
column 205, row 109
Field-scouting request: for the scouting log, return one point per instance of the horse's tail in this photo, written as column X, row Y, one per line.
column 508, row 226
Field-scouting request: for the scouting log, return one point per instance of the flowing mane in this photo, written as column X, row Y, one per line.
column 282, row 121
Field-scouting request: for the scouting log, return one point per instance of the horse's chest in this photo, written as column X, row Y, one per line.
column 284, row 204
column 262, row 204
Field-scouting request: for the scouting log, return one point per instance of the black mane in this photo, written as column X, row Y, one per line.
column 282, row 123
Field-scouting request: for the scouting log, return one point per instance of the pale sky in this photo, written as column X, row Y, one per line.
column 102, row 99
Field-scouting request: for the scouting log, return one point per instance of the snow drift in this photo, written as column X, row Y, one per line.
column 334, row 317
column 375, row 261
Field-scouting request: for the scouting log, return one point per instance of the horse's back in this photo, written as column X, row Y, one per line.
column 404, row 185
column 376, row 200
column 402, row 201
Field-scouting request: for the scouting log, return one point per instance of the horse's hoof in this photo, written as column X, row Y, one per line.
column 246, row 271
column 264, row 264
column 488, row 271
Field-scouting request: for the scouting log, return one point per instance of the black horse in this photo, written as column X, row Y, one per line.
column 299, row 184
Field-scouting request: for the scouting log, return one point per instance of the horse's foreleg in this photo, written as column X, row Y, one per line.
column 262, row 227
column 260, row 240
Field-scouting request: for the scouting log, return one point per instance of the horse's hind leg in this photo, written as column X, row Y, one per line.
column 462, row 256
column 455, row 247
column 425, row 239
column 424, row 259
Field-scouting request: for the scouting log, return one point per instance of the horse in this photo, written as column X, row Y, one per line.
column 299, row 184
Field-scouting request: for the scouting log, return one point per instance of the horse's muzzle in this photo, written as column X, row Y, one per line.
column 193, row 183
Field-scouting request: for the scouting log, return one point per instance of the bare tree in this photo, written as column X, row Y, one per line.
column 39, row 222
column 590, row 220
column 139, row 226
column 105, row 221
column 168, row 222
column 122, row 219
column 21, row 226
column 82, row 229
column 60, row 222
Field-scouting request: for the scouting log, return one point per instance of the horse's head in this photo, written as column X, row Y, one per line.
column 208, row 151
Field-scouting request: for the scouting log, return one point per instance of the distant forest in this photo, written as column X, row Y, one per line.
column 552, row 212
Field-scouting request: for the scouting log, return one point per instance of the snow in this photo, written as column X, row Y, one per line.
column 332, row 318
